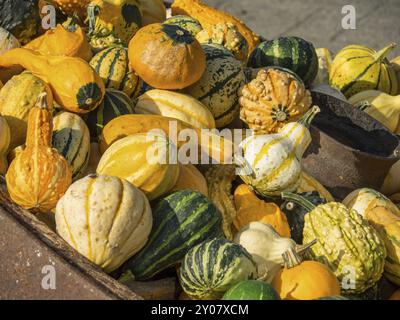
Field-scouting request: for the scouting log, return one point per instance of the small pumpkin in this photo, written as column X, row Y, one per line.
column 106, row 219
column 69, row 40
column 75, row 85
column 7, row 41
column 359, row 68
column 5, row 138
column 38, row 176
column 274, row 98
column 304, row 280
column 190, row 178
column 250, row 208
column 166, row 56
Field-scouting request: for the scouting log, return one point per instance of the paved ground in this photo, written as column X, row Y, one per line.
column 319, row 21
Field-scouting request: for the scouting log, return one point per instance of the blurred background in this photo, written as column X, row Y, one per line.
column 320, row 21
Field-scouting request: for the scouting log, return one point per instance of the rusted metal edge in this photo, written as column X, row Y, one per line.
column 54, row 242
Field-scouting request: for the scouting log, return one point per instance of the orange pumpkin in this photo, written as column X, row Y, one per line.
column 39, row 175
column 166, row 56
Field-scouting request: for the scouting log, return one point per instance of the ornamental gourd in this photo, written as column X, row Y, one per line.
column 395, row 63
column 359, row 68
column 17, row 97
column 209, row 17
column 391, row 184
column 5, row 137
column 104, row 218
column 71, row 7
column 153, row 11
column 72, row 140
column 310, row 184
column 175, row 105
column 75, row 85
column 212, row 267
column 112, row 65
column 333, row 224
column 250, row 208
column 191, row 178
column 113, row 22
column 272, row 163
column 166, row 56
column 38, row 176
column 143, row 160
column 274, row 98
column 267, row 247
column 251, row 290
column 324, row 66
column 190, row 24
column 68, row 40
column 304, row 280
column 293, row 53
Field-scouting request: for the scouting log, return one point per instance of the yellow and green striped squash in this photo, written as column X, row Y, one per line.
column 359, row 68
column 175, row 105
column 112, row 65
column 143, row 160
column 72, row 140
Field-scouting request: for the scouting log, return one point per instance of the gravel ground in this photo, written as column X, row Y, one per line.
column 320, row 21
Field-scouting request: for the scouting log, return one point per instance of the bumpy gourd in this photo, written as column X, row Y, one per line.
column 274, row 98
column 333, row 224
column 227, row 35
column 175, row 105
column 209, row 17
column 304, row 280
column 71, row 7
column 267, row 247
column 104, row 218
column 219, row 180
column 17, row 97
column 272, row 163
column 38, row 176
column 250, row 208
column 69, row 40
column 381, row 106
column 75, row 85
column 113, row 22
column 190, row 178
column 359, row 68
column 5, row 138
column 166, row 56
column 143, row 160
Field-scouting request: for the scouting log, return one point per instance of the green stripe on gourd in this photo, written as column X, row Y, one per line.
column 212, row 267
column 219, row 85
column 251, row 290
column 72, row 140
column 293, row 53
column 116, row 103
column 190, row 24
column 180, row 222
column 347, row 243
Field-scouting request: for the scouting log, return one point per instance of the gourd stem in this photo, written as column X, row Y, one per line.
column 298, row 199
column 242, row 163
column 92, row 12
column 301, row 249
column 42, row 101
column 72, row 22
column 291, row 258
column 309, row 116
column 380, row 55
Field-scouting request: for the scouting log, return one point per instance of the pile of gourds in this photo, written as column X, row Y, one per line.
column 80, row 106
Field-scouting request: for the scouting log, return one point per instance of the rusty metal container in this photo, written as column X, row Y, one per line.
column 349, row 148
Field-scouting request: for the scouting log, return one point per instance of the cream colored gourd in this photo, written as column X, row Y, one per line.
column 143, row 160
column 381, row 106
column 175, row 105
column 267, row 247
column 391, row 184
column 272, row 162
column 5, row 137
column 324, row 65
column 104, row 218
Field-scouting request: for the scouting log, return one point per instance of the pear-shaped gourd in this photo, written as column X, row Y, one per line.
column 272, row 163
column 39, row 175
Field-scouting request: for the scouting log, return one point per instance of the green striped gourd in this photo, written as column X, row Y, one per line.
column 185, row 22
column 115, row 104
column 251, row 290
column 175, row 105
column 112, row 65
column 180, row 221
column 212, row 267
column 347, row 243
column 271, row 163
column 219, row 85
column 359, row 68
column 72, row 140
column 292, row 53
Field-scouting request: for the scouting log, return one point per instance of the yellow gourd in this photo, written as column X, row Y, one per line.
column 309, row 184
column 250, row 208
column 153, row 11
column 190, row 178
column 396, row 65
column 391, row 184
column 4, row 144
